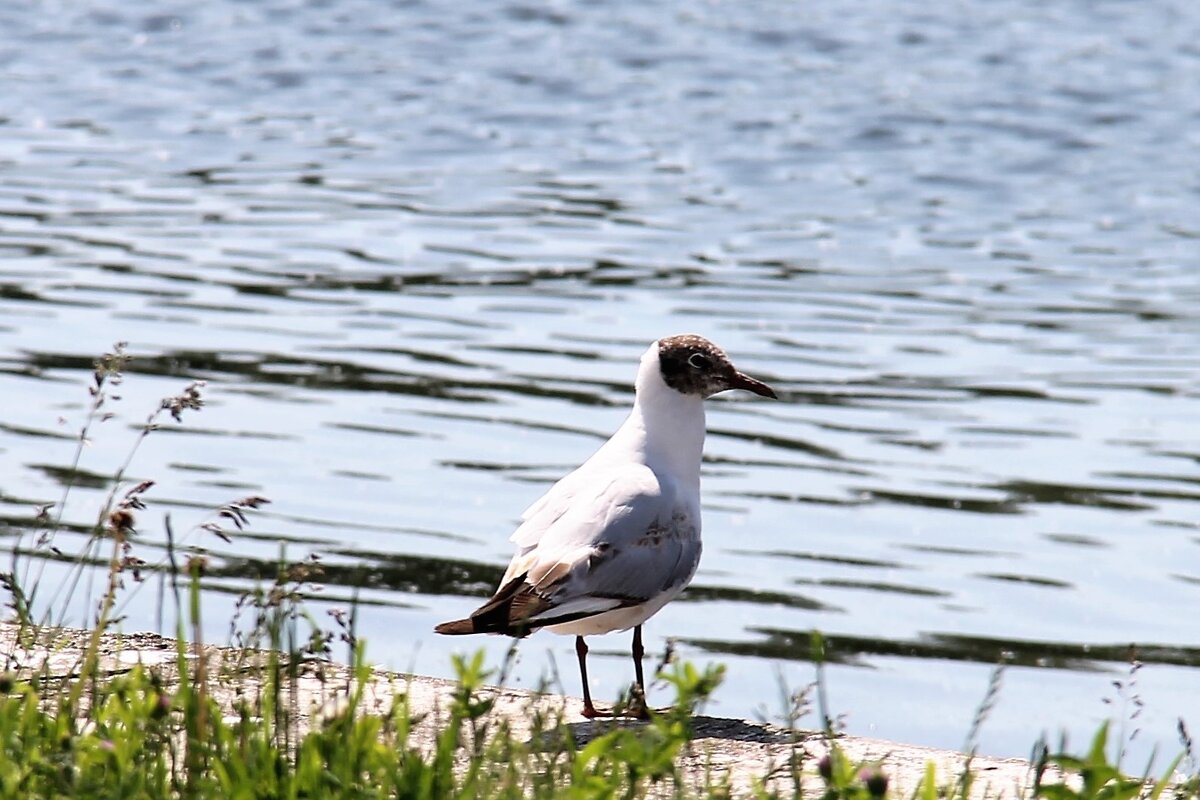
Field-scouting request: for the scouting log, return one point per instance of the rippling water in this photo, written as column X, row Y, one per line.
column 416, row 249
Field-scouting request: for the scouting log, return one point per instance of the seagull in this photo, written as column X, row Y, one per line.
column 614, row 541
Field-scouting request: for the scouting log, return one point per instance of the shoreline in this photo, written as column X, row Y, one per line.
column 737, row 750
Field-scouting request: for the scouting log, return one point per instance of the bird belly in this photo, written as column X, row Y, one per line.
column 619, row 619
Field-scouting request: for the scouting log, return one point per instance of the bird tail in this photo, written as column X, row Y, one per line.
column 507, row 612
column 482, row 623
column 458, row 627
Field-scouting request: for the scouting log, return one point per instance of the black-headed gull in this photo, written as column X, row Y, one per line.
column 617, row 539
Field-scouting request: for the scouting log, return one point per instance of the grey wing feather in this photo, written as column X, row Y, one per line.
column 623, row 536
column 665, row 559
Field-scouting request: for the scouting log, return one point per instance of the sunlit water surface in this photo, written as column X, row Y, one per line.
column 415, row 250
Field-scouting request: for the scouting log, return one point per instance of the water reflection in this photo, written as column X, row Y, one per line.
column 846, row 649
column 417, row 273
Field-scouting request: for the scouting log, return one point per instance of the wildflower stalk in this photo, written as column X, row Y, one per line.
column 106, row 373
column 189, row 398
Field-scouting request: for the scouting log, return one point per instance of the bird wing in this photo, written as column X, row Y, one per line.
column 543, row 512
column 618, row 539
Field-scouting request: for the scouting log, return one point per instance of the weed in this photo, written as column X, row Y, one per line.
column 261, row 721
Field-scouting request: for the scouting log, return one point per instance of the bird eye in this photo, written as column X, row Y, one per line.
column 699, row 361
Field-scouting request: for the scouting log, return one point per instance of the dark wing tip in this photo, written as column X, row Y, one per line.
column 456, row 628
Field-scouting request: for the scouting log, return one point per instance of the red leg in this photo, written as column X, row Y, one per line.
column 581, row 650
column 638, row 654
column 639, row 704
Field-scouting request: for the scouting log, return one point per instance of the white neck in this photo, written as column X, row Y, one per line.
column 665, row 426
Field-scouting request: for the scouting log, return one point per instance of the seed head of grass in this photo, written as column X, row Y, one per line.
column 187, row 400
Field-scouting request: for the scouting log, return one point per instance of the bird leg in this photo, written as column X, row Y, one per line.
column 581, row 650
column 638, row 704
column 638, row 653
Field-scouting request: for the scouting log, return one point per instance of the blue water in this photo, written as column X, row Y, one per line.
column 415, row 249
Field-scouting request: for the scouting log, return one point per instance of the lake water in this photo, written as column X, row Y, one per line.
column 416, row 249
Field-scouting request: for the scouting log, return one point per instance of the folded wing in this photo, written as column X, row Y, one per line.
column 619, row 540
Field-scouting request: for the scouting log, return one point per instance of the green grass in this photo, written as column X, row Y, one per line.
column 227, row 724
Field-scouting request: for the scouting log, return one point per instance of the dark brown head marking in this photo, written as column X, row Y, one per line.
column 693, row 365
